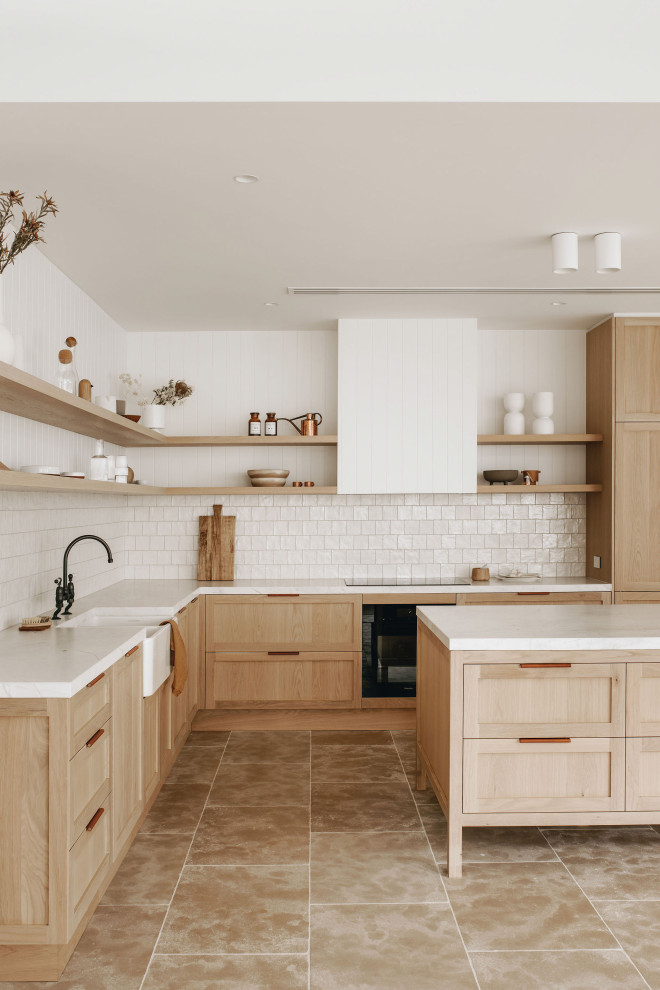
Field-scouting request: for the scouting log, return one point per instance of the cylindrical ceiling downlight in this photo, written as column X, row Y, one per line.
column 608, row 253
column 564, row 253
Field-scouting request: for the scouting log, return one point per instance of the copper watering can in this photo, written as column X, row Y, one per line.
column 309, row 426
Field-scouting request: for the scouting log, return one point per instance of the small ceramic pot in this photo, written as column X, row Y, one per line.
column 153, row 417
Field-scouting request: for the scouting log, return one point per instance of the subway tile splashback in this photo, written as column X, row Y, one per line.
column 330, row 536
column 315, row 536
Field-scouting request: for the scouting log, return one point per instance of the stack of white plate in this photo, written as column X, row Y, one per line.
column 268, row 478
column 41, row 469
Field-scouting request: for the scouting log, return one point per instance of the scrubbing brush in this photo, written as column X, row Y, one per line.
column 35, row 623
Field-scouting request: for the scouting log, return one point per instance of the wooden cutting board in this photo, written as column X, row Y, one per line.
column 227, row 541
column 204, row 553
column 216, row 543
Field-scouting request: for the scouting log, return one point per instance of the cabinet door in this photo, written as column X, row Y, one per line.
column 150, row 744
column 299, row 680
column 637, row 369
column 407, row 406
column 245, row 623
column 535, row 598
column 510, row 700
column 509, row 775
column 643, row 699
column 126, row 748
column 192, row 650
column 180, row 702
column 637, row 511
column 166, row 735
column 643, row 774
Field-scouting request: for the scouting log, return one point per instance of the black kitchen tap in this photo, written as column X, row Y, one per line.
column 65, row 591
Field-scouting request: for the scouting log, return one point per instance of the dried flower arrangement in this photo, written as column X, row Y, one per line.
column 172, row 394
column 133, row 386
column 31, row 227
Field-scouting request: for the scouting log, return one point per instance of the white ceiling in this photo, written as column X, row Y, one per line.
column 153, row 227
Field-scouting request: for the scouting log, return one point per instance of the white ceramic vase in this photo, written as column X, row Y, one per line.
column 7, row 342
column 514, row 420
column 153, row 417
column 543, row 405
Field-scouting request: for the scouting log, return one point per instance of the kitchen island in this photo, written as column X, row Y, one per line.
column 547, row 715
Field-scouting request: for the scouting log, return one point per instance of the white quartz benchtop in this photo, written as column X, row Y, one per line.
column 59, row 662
column 545, row 627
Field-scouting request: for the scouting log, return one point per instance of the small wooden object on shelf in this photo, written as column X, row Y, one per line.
column 85, row 389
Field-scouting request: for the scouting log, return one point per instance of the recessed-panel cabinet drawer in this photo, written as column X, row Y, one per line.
column 534, row 598
column 297, row 622
column 510, row 775
column 89, row 862
column 643, row 774
column 537, row 699
column 90, row 708
column 294, row 680
column 643, row 699
column 89, row 779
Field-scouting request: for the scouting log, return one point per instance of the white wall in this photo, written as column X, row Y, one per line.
column 233, row 373
column 533, row 361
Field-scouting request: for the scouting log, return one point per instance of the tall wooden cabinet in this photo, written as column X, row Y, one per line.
column 623, row 403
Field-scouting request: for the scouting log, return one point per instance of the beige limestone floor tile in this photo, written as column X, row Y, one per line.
column 150, row 870
column 112, row 954
column 359, row 807
column 351, row 737
column 524, row 906
column 611, row 863
column 582, row 970
column 177, row 808
column 238, row 909
column 227, row 973
column 217, row 740
column 267, row 747
column 345, row 763
column 426, row 797
column 252, row 835
column 394, row 867
column 636, row 924
column 498, row 844
column 196, row 764
column 387, row 947
column 261, row 784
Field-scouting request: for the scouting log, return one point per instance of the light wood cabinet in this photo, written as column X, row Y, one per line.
column 512, row 700
column 192, row 650
column 637, row 512
column 126, row 748
column 245, row 623
column 637, row 352
column 89, row 779
column 180, row 702
column 150, row 745
column 516, row 775
column 643, row 700
column 299, row 680
column 166, row 736
column 89, row 862
column 90, row 708
column 643, row 774
column 536, row 598
column 283, row 651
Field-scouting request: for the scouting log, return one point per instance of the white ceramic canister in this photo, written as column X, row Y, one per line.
column 514, row 420
column 543, row 405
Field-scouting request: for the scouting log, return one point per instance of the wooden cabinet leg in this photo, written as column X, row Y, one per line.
column 454, row 849
column 420, row 773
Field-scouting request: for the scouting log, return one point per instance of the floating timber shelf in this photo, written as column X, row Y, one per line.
column 287, row 441
column 535, row 489
column 485, row 439
column 20, row 481
column 286, row 490
column 25, row 395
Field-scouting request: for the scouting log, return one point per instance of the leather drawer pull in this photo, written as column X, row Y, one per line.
column 543, row 666
column 536, row 593
column 284, row 653
column 95, row 738
column 131, row 652
column 94, row 819
column 96, row 680
column 194, row 600
column 556, row 739
column 182, row 610
column 283, row 594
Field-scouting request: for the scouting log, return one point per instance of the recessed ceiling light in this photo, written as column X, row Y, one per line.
column 246, row 179
column 557, row 303
column 271, row 304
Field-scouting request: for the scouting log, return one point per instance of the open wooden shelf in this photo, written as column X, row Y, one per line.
column 25, row 395
column 287, row 441
column 20, row 481
column 485, row 439
column 536, row 489
column 286, row 490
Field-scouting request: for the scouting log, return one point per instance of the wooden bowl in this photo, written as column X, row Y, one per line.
column 133, row 418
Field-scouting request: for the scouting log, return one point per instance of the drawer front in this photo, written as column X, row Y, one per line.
column 304, row 680
column 506, row 775
column 89, row 710
column 296, row 622
column 150, row 744
column 637, row 598
column 89, row 779
column 643, row 699
column 512, row 700
column 535, row 598
column 643, row 774
column 89, row 862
